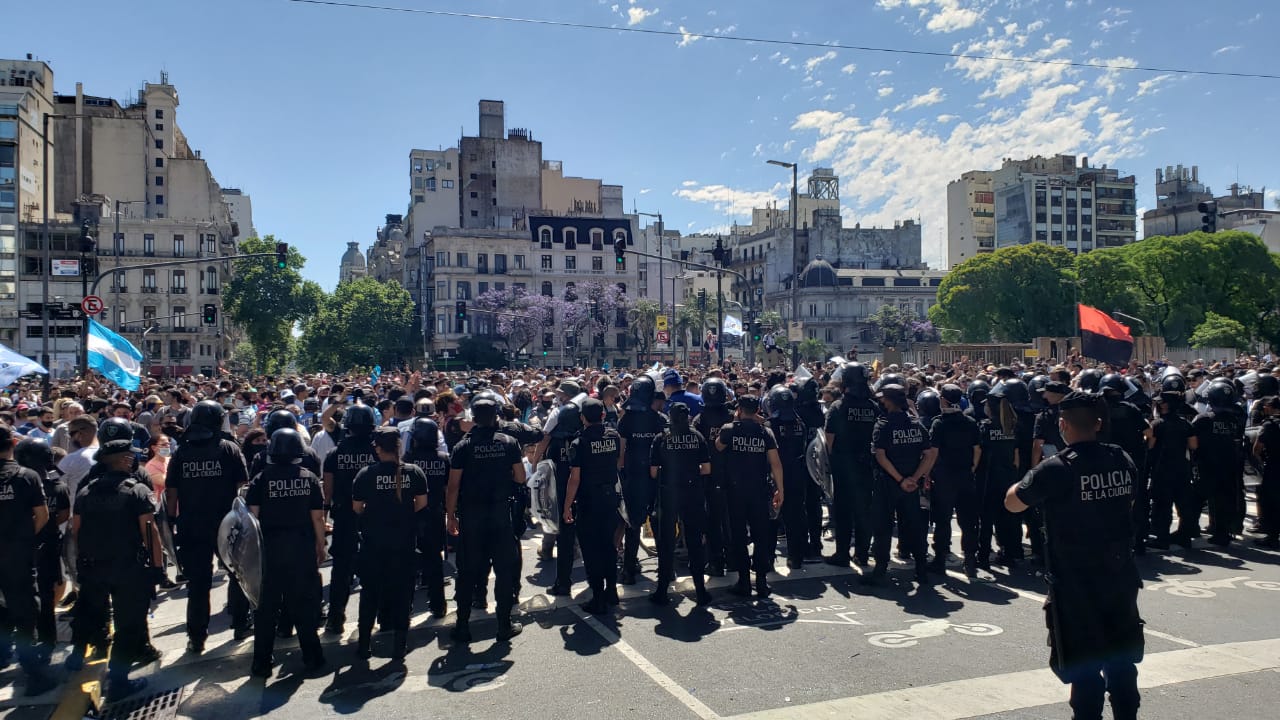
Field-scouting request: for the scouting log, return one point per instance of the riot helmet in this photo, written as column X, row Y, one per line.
column 1088, row 380
column 928, row 404
column 34, row 454
column 206, row 421
column 424, row 436
column 978, row 391
column 279, row 420
column 714, row 393
column 115, row 435
column 853, row 379
column 286, row 447
column 1113, row 383
column 359, row 420
column 642, row 392
column 782, row 403
column 484, row 410
column 1221, row 394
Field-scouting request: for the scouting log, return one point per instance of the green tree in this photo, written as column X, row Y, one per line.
column 813, row 349
column 771, row 320
column 1011, row 295
column 267, row 301
column 642, row 322
column 1221, row 332
column 363, row 322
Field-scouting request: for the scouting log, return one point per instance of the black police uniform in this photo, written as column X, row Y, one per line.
column 285, row 496
column 850, row 423
column 524, row 434
column 997, row 472
column 683, row 496
column 21, row 491
column 352, row 454
column 708, row 424
column 1047, row 432
column 1171, row 480
column 904, row 441
column 113, row 566
column 1269, row 489
column 811, row 414
column 1128, row 425
column 49, row 559
column 792, row 437
column 750, row 492
column 485, row 538
column 1220, row 461
column 431, row 531
column 1092, row 612
column 568, row 423
column 595, row 453
column 639, row 429
column 1024, row 431
column 954, row 487
column 388, row 535
column 205, row 474
column 311, row 462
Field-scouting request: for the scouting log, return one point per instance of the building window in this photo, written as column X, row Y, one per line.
column 159, row 199
column 622, row 288
column 499, row 286
column 570, row 239
column 546, row 289
column 597, row 263
column 597, row 239
column 179, row 281
column 475, row 213
column 159, row 127
column 474, row 194
column 148, row 244
column 500, row 264
column 149, row 280
column 464, row 290
column 462, row 259
column 482, row 263
column 442, row 290
column 482, row 288
column 159, row 144
column 519, row 262
column 446, row 184
column 179, row 246
column 159, row 162
column 570, row 262
column 431, row 184
column 159, row 181
column 519, row 288
column 474, row 176
column 570, row 292
column 211, row 244
column 159, row 114
column 179, row 316
column 546, row 262
column 442, row 259
column 544, row 238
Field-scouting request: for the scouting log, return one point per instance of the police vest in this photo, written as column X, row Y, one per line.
column 487, row 477
column 351, row 456
column 109, row 535
column 1093, row 520
column 286, row 495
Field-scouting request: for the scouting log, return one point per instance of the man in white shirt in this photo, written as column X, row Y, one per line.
column 82, row 433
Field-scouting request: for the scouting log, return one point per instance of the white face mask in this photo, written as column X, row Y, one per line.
column 165, row 451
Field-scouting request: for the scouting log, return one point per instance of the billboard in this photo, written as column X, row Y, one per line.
column 66, row 268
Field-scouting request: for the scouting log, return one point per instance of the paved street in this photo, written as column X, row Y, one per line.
column 823, row 646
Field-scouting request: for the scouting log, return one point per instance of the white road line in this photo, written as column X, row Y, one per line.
column 1041, row 598
column 1032, row 688
column 663, row 680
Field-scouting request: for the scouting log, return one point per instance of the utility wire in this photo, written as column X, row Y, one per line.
column 684, row 34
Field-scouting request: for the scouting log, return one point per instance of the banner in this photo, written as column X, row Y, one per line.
column 14, row 366
column 732, row 325
column 114, row 357
column 1104, row 339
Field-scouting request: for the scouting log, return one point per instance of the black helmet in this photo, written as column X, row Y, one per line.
column 424, row 435
column 1266, row 386
column 928, row 404
column 34, row 454
column 890, row 379
column 978, row 391
column 1113, row 382
column 279, row 420
column 286, row 447
column 642, row 391
column 1015, row 391
column 492, row 395
column 484, row 409
column 1221, row 394
column 115, row 435
column 894, row 392
column 1088, row 380
column 714, row 393
column 808, row 392
column 853, row 379
column 206, row 421
column 1173, row 382
column 782, row 403
column 359, row 420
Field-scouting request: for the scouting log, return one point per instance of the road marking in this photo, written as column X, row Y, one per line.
column 663, row 680
column 1032, row 688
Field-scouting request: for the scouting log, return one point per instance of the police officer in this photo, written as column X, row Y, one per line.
column 595, row 458
column 387, row 496
column 561, row 428
column 809, row 409
column 1129, row 429
column 289, row 503
column 1019, row 400
column 1172, row 441
column 282, row 420
column 37, row 455
column 850, row 423
column 351, row 455
column 715, row 413
column 1092, row 612
column 977, row 393
column 205, row 472
column 752, row 462
column 485, row 467
column 997, row 472
column 1220, row 460
column 638, row 427
column 681, row 462
column 791, row 435
column 23, row 517
column 120, row 560
column 904, row 457
column 953, row 488
column 423, row 451
column 1046, row 440
column 1266, row 448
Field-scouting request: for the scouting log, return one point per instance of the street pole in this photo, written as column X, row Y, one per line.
column 48, row 254
column 795, row 263
column 720, row 316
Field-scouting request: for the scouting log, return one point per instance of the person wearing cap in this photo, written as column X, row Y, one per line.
column 485, row 468
column 595, row 459
column 289, row 503
column 113, row 524
column 904, row 457
column 952, row 486
column 1171, row 443
column 23, row 517
column 673, row 387
column 1085, row 493
column 387, row 496
column 204, row 475
column 1046, row 440
column 755, row 493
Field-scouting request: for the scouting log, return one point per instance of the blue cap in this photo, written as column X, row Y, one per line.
column 671, row 377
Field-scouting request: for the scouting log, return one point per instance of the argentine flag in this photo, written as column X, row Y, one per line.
column 732, row 326
column 14, row 366
column 113, row 356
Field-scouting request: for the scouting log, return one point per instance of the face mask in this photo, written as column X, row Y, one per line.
column 546, row 404
column 166, row 451
column 44, row 423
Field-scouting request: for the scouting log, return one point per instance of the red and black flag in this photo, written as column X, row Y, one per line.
column 1104, row 339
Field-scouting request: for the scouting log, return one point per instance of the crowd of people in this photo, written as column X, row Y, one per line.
column 108, row 497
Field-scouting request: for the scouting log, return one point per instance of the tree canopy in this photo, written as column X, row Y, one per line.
column 362, row 323
column 267, row 301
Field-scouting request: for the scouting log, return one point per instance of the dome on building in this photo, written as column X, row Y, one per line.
column 353, row 257
column 818, row 274
column 396, row 234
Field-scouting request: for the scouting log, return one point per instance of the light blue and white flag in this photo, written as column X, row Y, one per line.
column 114, row 357
column 732, row 325
column 14, row 366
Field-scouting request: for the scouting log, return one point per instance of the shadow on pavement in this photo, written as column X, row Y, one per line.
column 351, row 689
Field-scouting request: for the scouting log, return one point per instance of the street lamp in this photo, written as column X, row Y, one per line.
column 795, row 250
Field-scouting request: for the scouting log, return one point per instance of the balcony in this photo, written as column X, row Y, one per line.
column 177, row 291
column 150, row 289
column 210, row 291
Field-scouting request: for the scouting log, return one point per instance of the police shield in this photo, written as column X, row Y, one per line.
column 70, row 556
column 240, row 547
column 818, row 460
column 165, row 528
column 542, row 494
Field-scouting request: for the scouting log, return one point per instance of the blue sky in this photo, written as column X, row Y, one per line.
column 313, row 110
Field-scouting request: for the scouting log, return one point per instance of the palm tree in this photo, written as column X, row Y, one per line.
column 813, row 349
column 642, row 322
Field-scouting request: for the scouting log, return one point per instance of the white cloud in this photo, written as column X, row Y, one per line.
column 637, row 15
column 939, row 16
column 1106, row 25
column 933, row 97
column 732, row 200
column 1152, row 86
column 849, row 69
column 885, row 92
column 812, row 63
column 1225, row 49
column 644, row 191
column 882, row 73
column 686, row 39
column 947, row 118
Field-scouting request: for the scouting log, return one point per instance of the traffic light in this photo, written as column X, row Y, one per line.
column 719, row 252
column 620, row 250
column 460, row 309
column 210, row 314
column 755, row 331
column 1208, row 216
column 282, row 256
column 702, row 299
column 87, row 243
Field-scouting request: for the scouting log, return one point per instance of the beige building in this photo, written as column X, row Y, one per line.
column 971, row 216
